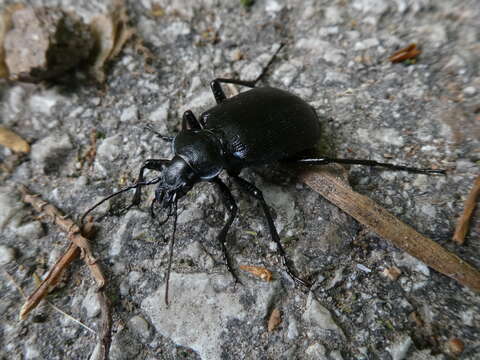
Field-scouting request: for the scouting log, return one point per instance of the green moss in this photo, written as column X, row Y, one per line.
column 247, row 3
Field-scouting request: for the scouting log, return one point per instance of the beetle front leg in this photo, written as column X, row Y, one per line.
column 166, row 138
column 257, row 194
column 231, row 207
column 151, row 164
column 190, row 121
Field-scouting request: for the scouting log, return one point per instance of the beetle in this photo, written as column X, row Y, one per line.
column 255, row 127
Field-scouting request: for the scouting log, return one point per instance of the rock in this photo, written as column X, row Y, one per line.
column 9, row 206
column 199, row 310
column 320, row 321
column 138, row 325
column 7, row 254
column 90, row 303
column 399, row 349
column 45, row 43
column 50, row 152
column 316, row 352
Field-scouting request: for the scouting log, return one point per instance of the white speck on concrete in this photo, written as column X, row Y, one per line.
column 7, row 254
column 160, row 114
column 399, row 349
column 31, row 230
column 273, row 6
column 90, row 303
column 404, row 259
column 129, row 114
column 470, row 91
column 138, row 325
column 44, row 102
column 320, row 320
column 292, row 330
column 316, row 351
column 366, row 44
column 9, row 206
column 371, row 6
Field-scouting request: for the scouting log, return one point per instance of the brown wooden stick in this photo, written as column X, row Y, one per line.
column 468, row 208
column 380, row 221
column 50, row 281
column 79, row 245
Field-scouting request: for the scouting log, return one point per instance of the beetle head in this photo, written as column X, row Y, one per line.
column 177, row 179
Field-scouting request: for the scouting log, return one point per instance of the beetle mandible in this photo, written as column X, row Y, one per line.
column 255, row 127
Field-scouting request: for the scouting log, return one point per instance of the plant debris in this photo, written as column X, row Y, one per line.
column 392, row 273
column 463, row 222
column 327, row 183
column 456, row 346
column 78, row 246
column 407, row 53
column 262, row 273
column 111, row 32
column 13, row 141
column 45, row 43
column 274, row 320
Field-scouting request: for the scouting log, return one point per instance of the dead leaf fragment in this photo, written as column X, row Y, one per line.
column 407, row 53
column 392, row 273
column 258, row 271
column 274, row 320
column 111, row 32
column 12, row 141
column 456, row 346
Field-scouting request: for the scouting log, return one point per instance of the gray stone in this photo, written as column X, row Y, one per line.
column 9, row 206
column 199, row 309
column 7, row 254
column 91, row 304
column 399, row 349
column 50, row 152
column 319, row 320
column 316, row 352
column 30, row 231
column 138, row 325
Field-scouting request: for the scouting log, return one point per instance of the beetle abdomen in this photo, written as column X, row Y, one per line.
column 263, row 125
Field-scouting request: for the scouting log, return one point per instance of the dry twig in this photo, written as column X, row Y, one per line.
column 380, row 221
column 79, row 246
column 464, row 220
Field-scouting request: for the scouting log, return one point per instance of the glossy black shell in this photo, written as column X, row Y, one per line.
column 262, row 125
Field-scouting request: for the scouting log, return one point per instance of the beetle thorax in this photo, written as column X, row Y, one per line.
column 201, row 150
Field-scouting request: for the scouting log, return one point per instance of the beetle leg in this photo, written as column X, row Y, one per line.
column 257, row 194
column 166, row 138
column 217, row 88
column 324, row 161
column 151, row 164
column 231, row 207
column 190, row 121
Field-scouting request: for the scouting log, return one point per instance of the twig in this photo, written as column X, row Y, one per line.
column 79, row 246
column 464, row 219
column 50, row 280
column 380, row 221
column 20, row 290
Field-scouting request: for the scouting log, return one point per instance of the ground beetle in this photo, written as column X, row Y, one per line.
column 255, row 127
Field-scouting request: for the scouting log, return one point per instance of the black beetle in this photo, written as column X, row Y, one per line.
column 255, row 127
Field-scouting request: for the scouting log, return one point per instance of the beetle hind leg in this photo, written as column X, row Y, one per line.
column 257, row 194
column 231, row 207
column 324, row 161
column 217, row 90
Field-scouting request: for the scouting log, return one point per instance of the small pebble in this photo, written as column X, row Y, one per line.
column 7, row 254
